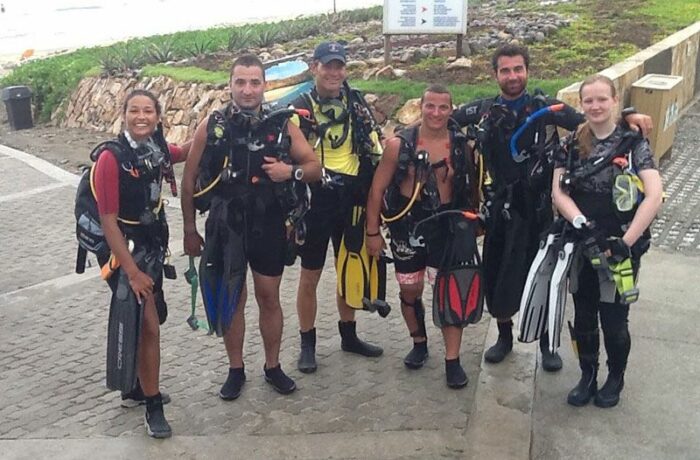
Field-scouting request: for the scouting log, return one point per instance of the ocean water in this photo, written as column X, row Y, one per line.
column 51, row 25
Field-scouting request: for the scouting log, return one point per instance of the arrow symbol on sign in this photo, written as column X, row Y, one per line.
column 423, row 21
column 424, row 9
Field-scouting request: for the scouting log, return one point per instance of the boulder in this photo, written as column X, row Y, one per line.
column 386, row 72
column 410, row 112
column 177, row 134
column 385, row 105
column 461, row 63
column 369, row 73
column 278, row 53
column 356, row 65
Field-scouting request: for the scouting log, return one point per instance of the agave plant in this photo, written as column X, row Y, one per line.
column 266, row 35
column 109, row 63
column 201, row 47
column 162, row 51
column 128, row 56
column 238, row 38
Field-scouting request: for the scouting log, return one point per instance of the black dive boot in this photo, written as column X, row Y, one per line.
column 352, row 344
column 307, row 357
column 454, row 374
column 609, row 393
column 618, row 348
column 154, row 419
column 551, row 362
column 503, row 345
column 417, row 356
column 415, row 359
column 588, row 344
column 233, row 385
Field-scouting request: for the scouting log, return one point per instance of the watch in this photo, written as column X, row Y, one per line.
column 297, row 173
column 628, row 111
column 579, row 221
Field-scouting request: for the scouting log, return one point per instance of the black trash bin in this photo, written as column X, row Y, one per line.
column 18, row 103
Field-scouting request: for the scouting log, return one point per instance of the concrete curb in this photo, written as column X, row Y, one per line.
column 385, row 445
column 500, row 425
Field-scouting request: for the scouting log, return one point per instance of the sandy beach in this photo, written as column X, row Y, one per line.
column 53, row 26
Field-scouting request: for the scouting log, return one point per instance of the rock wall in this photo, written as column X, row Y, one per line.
column 97, row 104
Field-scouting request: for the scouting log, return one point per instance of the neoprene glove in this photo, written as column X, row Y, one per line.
column 589, row 234
column 619, row 250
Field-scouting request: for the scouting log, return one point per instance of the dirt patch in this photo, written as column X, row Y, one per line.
column 479, row 72
column 625, row 29
column 64, row 147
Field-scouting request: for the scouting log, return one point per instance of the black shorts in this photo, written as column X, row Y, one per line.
column 409, row 258
column 326, row 220
column 266, row 244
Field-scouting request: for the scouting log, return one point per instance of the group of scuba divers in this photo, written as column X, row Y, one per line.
column 278, row 183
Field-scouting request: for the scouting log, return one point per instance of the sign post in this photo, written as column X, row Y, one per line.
column 407, row 17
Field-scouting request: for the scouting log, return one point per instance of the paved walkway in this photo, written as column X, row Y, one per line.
column 52, row 352
column 53, row 336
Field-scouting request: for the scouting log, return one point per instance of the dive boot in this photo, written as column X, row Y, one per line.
column 551, row 362
column 454, row 374
column 417, row 356
column 617, row 345
column 503, row 345
column 609, row 393
column 233, row 385
column 136, row 398
column 307, row 356
column 276, row 377
column 154, row 419
column 588, row 345
column 352, row 344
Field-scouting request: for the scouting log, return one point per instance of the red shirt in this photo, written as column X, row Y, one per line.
column 107, row 179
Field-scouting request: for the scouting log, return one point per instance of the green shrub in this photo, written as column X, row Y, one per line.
column 162, row 50
column 238, row 38
column 201, row 46
column 129, row 55
column 52, row 79
column 265, row 35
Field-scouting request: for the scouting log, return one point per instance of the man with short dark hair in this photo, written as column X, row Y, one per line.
column 518, row 197
column 426, row 174
column 255, row 161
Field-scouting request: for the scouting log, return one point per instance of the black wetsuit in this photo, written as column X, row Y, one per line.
column 520, row 207
column 593, row 196
column 255, row 206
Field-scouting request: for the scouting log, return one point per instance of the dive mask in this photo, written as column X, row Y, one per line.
column 149, row 156
column 334, row 109
column 625, row 192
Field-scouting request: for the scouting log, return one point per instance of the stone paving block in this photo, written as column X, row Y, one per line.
column 62, row 344
column 44, row 238
column 15, row 433
column 677, row 226
column 20, row 177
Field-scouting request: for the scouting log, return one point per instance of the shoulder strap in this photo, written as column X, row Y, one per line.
column 627, row 141
column 305, row 101
column 120, row 152
column 409, row 140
